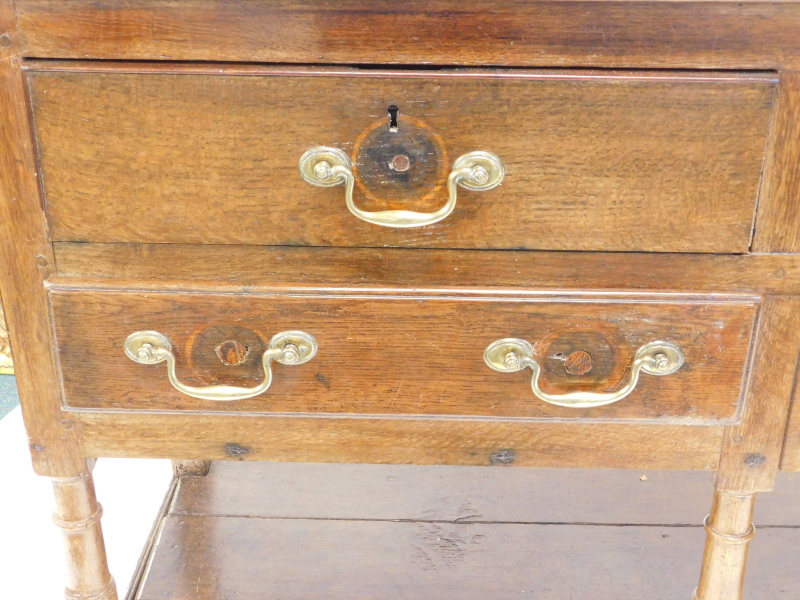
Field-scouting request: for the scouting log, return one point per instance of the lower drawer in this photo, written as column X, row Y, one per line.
column 402, row 355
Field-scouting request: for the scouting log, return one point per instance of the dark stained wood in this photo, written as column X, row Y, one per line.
column 215, row 267
column 370, row 344
column 399, row 441
column 25, row 260
column 622, row 162
column 508, row 32
column 198, row 145
column 778, row 223
column 751, row 451
column 251, row 530
column 206, row 558
column 468, row 494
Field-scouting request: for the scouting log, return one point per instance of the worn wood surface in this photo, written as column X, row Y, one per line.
column 369, row 346
column 78, row 516
column 206, row 558
column 400, row 441
column 468, row 494
column 25, row 261
column 508, row 32
column 6, row 362
column 205, row 153
column 172, row 266
column 751, row 451
column 190, row 468
column 626, row 161
column 462, row 533
column 790, row 460
column 729, row 529
column 778, row 223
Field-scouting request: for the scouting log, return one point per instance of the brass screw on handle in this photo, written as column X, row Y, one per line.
column 512, row 361
column 479, row 175
column 291, row 354
column 662, row 362
column 145, row 352
column 322, row 170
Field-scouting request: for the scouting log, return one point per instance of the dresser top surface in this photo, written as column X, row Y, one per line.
column 565, row 33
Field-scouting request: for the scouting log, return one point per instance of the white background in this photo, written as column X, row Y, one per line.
column 32, row 565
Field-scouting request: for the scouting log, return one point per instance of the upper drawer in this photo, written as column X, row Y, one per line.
column 593, row 161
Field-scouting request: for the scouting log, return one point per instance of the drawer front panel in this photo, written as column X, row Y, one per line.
column 618, row 162
column 404, row 355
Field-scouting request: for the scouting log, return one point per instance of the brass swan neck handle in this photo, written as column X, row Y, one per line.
column 328, row 167
column 287, row 347
column 512, row 354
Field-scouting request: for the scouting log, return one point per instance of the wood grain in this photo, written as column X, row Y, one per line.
column 78, row 516
column 467, row 494
column 190, row 468
column 790, row 459
column 25, row 260
column 174, row 266
column 744, row 35
column 214, row 521
column 371, row 344
column 399, row 441
column 752, row 450
column 622, row 162
column 729, row 529
column 205, row 558
column 778, row 223
column 6, row 361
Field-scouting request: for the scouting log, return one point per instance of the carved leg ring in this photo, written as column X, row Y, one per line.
column 78, row 515
column 729, row 529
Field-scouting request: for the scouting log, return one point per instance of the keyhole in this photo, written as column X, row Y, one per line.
column 394, row 112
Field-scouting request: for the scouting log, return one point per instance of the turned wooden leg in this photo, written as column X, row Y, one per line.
column 190, row 468
column 729, row 529
column 78, row 515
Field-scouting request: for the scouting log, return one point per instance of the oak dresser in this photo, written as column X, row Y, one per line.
column 501, row 233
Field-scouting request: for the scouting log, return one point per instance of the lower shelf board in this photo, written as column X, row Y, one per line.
column 233, row 535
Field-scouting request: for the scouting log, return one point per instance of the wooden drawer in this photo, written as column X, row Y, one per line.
column 403, row 355
column 593, row 160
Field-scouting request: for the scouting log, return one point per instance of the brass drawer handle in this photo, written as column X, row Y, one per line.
column 288, row 348
column 512, row 354
column 328, row 167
